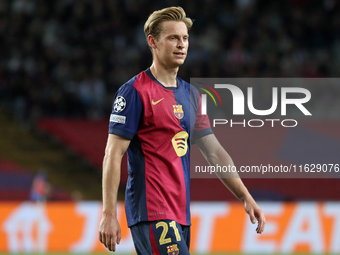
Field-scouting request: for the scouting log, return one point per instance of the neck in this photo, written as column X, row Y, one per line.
column 167, row 77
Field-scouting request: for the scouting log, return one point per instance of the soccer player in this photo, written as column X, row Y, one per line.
column 155, row 117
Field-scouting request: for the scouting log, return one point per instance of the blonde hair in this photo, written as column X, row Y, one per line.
column 153, row 26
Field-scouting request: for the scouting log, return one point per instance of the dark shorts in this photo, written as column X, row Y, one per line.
column 163, row 237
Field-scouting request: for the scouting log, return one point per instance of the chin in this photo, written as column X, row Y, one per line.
column 179, row 62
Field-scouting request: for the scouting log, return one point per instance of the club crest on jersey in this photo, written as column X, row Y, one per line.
column 178, row 111
column 172, row 249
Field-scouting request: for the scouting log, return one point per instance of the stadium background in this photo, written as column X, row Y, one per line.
column 61, row 63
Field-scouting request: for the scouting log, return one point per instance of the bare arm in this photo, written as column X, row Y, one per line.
column 215, row 154
column 109, row 229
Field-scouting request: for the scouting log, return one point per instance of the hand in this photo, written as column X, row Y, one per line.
column 255, row 214
column 109, row 232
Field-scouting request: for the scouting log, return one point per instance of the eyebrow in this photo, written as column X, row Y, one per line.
column 187, row 35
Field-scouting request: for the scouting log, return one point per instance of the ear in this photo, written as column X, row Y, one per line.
column 152, row 41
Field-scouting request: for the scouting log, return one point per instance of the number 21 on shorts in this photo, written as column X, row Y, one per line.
column 164, row 225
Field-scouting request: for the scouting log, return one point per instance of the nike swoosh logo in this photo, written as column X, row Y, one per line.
column 154, row 103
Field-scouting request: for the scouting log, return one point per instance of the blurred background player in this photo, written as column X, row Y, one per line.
column 40, row 188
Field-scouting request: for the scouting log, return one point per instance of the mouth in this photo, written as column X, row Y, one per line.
column 179, row 54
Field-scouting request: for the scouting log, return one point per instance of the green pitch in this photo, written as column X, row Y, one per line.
column 113, row 253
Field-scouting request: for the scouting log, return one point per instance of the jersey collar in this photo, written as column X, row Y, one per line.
column 148, row 72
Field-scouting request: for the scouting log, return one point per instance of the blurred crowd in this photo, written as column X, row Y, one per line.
column 66, row 58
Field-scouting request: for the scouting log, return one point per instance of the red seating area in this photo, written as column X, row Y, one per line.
column 311, row 142
column 87, row 138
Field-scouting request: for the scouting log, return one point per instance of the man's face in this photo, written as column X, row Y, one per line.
column 172, row 44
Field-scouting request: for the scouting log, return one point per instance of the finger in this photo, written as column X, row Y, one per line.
column 100, row 237
column 259, row 229
column 261, row 225
column 113, row 244
column 108, row 241
column 103, row 238
column 119, row 237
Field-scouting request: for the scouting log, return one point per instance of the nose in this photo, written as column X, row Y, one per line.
column 181, row 43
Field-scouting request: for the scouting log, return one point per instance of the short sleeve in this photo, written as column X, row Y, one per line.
column 126, row 113
column 202, row 123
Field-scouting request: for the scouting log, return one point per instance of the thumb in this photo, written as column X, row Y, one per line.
column 252, row 217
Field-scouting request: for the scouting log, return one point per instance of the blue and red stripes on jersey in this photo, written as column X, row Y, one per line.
column 160, row 122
